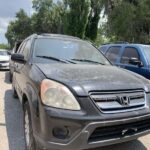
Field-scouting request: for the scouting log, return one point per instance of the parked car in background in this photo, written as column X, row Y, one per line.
column 134, row 57
column 4, row 59
column 11, row 63
column 73, row 98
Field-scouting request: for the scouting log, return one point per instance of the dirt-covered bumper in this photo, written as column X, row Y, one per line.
column 102, row 133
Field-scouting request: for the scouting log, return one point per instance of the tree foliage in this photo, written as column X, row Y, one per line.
column 48, row 16
column 20, row 28
column 4, row 46
column 77, row 17
column 93, row 19
column 73, row 17
column 130, row 21
column 126, row 20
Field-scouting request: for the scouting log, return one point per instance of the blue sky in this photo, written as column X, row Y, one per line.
column 8, row 9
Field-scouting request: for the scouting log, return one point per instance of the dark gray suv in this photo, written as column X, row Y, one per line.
column 73, row 98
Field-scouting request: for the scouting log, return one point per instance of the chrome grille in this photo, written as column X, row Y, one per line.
column 4, row 61
column 119, row 101
column 116, row 131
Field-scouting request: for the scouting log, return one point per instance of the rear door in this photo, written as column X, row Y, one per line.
column 130, row 52
column 15, row 50
column 22, row 70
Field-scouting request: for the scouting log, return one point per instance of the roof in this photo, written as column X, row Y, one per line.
column 123, row 44
column 3, row 50
column 53, row 36
column 59, row 35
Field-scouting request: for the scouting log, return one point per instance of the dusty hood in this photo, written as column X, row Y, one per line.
column 85, row 78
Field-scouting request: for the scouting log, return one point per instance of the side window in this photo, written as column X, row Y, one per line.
column 129, row 52
column 21, row 47
column 17, row 46
column 113, row 53
column 25, row 50
column 103, row 49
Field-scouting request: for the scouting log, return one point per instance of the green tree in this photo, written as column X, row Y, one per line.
column 129, row 20
column 76, row 17
column 4, row 46
column 18, row 29
column 122, row 25
column 48, row 17
column 93, row 19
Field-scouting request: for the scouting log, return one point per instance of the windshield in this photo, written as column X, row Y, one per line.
column 3, row 53
column 146, row 50
column 74, row 50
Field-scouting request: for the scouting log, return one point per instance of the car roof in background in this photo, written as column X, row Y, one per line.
column 123, row 44
column 3, row 50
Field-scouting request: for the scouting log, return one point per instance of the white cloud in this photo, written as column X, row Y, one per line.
column 4, row 22
column 8, row 13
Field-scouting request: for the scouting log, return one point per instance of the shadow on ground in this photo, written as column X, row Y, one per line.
column 14, row 125
column 7, row 77
column 132, row 145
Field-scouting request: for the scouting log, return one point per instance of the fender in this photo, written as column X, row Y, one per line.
column 32, row 95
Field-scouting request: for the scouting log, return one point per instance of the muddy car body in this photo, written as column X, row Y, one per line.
column 73, row 104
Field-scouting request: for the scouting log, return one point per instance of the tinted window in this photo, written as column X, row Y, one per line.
column 113, row 53
column 146, row 50
column 129, row 52
column 25, row 49
column 16, row 48
column 103, row 49
column 67, row 49
column 21, row 48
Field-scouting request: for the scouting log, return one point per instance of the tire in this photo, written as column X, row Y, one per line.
column 15, row 95
column 30, row 143
column 10, row 77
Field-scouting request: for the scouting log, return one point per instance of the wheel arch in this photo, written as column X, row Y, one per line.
column 30, row 95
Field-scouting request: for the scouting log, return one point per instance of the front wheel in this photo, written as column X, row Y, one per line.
column 30, row 143
column 15, row 95
column 10, row 77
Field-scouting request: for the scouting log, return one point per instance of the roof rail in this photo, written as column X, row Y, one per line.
column 58, row 35
column 118, row 42
column 121, row 42
column 106, row 43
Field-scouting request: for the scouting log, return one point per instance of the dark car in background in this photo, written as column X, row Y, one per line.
column 4, row 59
column 11, row 63
column 73, row 98
column 133, row 57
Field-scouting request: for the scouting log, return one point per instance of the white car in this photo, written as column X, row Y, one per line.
column 4, row 59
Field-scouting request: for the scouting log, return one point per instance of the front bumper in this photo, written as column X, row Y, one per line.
column 81, row 126
column 4, row 65
column 81, row 139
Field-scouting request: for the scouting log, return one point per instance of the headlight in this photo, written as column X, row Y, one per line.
column 56, row 95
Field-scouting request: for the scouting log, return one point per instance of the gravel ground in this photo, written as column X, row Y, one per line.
column 11, row 134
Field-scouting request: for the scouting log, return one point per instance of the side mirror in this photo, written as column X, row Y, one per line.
column 135, row 61
column 9, row 53
column 18, row 58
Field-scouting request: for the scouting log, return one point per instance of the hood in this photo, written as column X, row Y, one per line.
column 85, row 78
column 4, row 58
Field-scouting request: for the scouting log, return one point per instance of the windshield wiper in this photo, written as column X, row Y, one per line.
column 86, row 60
column 56, row 59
